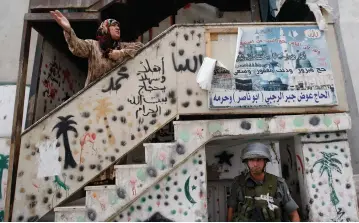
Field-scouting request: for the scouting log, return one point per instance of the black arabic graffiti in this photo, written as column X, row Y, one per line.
column 151, row 86
column 187, row 66
column 116, row 85
column 154, row 69
column 273, row 56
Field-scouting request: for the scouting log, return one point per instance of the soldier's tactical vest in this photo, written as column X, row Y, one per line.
column 259, row 203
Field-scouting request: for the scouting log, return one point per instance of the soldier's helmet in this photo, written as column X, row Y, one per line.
column 256, row 151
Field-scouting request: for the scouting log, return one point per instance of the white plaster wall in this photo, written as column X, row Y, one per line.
column 11, row 26
column 7, row 102
column 4, row 155
column 347, row 20
column 329, row 177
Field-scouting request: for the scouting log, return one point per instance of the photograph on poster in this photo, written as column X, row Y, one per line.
column 277, row 66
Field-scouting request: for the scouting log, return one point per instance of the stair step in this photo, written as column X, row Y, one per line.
column 130, row 166
column 70, row 208
column 158, row 150
column 104, row 201
column 166, row 190
column 356, row 182
column 125, row 172
column 98, row 188
column 70, row 214
column 78, row 202
column 132, row 180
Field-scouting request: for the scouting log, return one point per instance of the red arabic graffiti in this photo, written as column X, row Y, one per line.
column 50, row 90
column 67, row 78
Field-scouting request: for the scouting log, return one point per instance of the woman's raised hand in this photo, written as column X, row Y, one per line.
column 61, row 20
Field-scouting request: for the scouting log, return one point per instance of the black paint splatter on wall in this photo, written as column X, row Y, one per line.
column 158, row 217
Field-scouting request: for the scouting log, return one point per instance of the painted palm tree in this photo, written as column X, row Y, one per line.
column 327, row 164
column 63, row 127
column 103, row 108
column 4, row 164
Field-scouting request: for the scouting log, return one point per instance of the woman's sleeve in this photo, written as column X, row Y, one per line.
column 132, row 48
column 79, row 47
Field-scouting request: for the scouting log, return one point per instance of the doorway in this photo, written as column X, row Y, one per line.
column 224, row 164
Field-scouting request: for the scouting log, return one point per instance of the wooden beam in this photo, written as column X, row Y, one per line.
column 63, row 4
column 17, row 120
column 255, row 14
column 226, row 30
column 101, row 5
column 208, row 44
column 72, row 17
column 35, row 79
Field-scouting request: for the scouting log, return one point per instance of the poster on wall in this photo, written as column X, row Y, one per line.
column 277, row 66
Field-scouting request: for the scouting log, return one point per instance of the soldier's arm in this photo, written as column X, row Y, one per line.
column 294, row 216
column 289, row 204
column 230, row 214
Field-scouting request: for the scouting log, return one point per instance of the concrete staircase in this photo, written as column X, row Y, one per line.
column 93, row 130
column 105, row 203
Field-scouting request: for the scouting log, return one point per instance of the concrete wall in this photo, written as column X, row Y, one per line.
column 329, row 190
column 4, row 162
column 7, row 100
column 324, row 169
column 346, row 17
column 11, row 26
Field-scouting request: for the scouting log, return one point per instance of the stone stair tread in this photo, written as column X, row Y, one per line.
column 150, row 149
column 130, row 166
column 102, row 187
column 160, row 143
column 69, row 208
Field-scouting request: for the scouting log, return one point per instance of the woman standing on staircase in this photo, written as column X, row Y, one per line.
column 103, row 54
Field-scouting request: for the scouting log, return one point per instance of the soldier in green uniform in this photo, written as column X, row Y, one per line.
column 257, row 195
